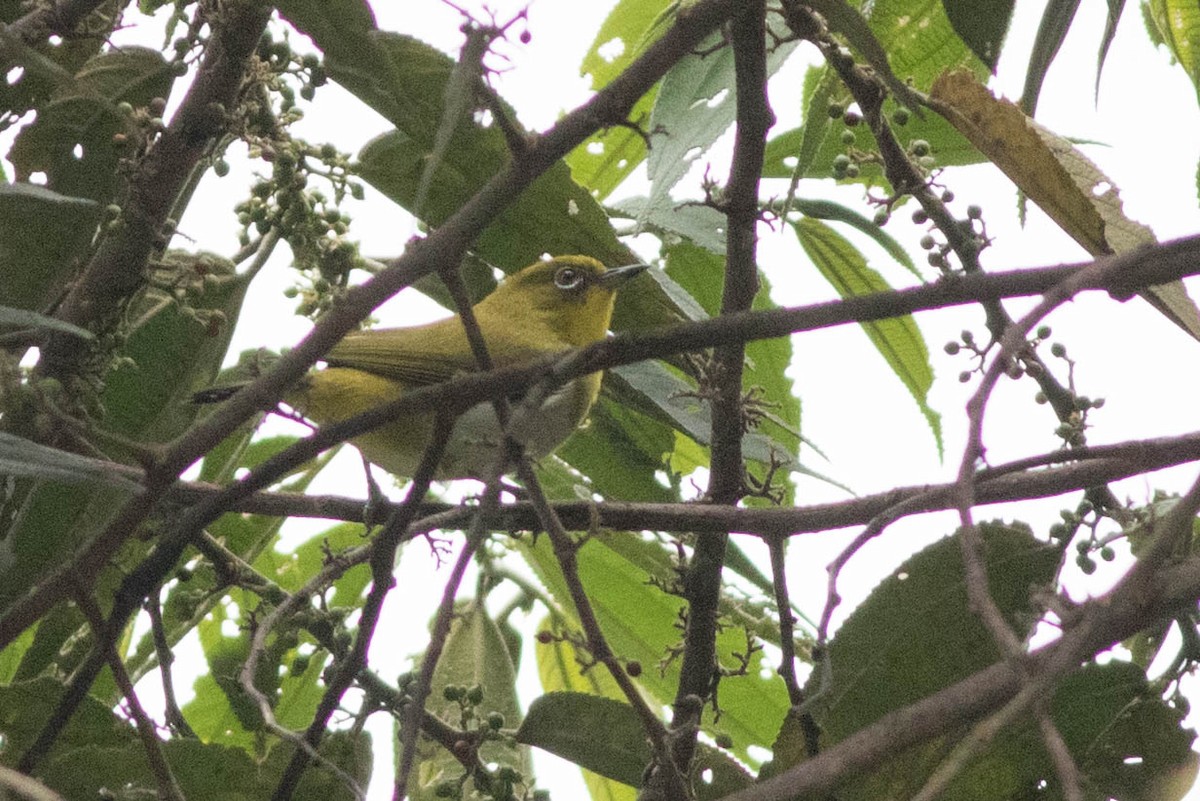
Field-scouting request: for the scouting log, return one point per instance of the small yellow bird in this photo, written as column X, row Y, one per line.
column 546, row 308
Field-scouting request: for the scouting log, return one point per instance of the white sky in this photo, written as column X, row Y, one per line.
column 861, row 417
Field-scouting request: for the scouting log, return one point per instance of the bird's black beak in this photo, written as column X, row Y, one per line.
column 618, row 276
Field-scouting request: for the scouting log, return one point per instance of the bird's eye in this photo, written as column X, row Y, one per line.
column 568, row 278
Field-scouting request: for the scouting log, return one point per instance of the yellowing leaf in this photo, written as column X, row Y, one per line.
column 1054, row 174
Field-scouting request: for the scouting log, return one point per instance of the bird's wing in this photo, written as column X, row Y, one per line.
column 416, row 356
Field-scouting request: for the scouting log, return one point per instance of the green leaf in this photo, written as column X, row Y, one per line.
column 172, row 351
column 879, row 660
column 72, row 139
column 606, row 737
column 920, row 40
column 836, row 212
column 26, row 706
column 1056, row 21
column 596, row 733
column 404, row 80
column 475, row 654
column 621, row 450
column 920, row 43
column 43, row 237
column 560, row 669
column 619, row 573
column 20, row 318
column 49, row 64
column 1177, row 24
column 694, row 106
column 22, row 457
column 898, row 340
column 611, row 155
column 982, row 24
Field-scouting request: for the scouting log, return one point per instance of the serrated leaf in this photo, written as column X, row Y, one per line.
column 611, row 155
column 1177, row 25
column 898, row 340
column 1053, row 173
column 695, row 105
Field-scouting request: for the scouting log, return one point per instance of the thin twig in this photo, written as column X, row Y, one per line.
column 410, row 722
column 565, row 552
column 168, row 786
column 1121, row 276
column 382, row 562
column 166, row 657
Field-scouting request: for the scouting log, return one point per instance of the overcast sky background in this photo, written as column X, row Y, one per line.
column 854, row 409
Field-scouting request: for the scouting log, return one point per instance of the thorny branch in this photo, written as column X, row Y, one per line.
column 702, row 581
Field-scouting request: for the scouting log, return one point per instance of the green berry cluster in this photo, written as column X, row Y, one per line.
column 1089, row 547
column 966, row 342
column 846, row 165
column 312, row 223
column 282, row 63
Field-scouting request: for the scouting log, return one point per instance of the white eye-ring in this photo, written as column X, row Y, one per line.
column 568, row 278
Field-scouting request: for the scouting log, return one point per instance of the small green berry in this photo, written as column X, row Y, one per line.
column 881, row 217
column 974, row 211
column 947, row 196
column 964, row 376
column 927, row 242
column 1043, row 332
column 920, row 217
column 952, row 348
column 851, row 118
column 900, row 116
column 836, row 110
column 1058, row 350
column 848, row 137
column 852, row 171
column 1040, row 398
column 919, row 147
